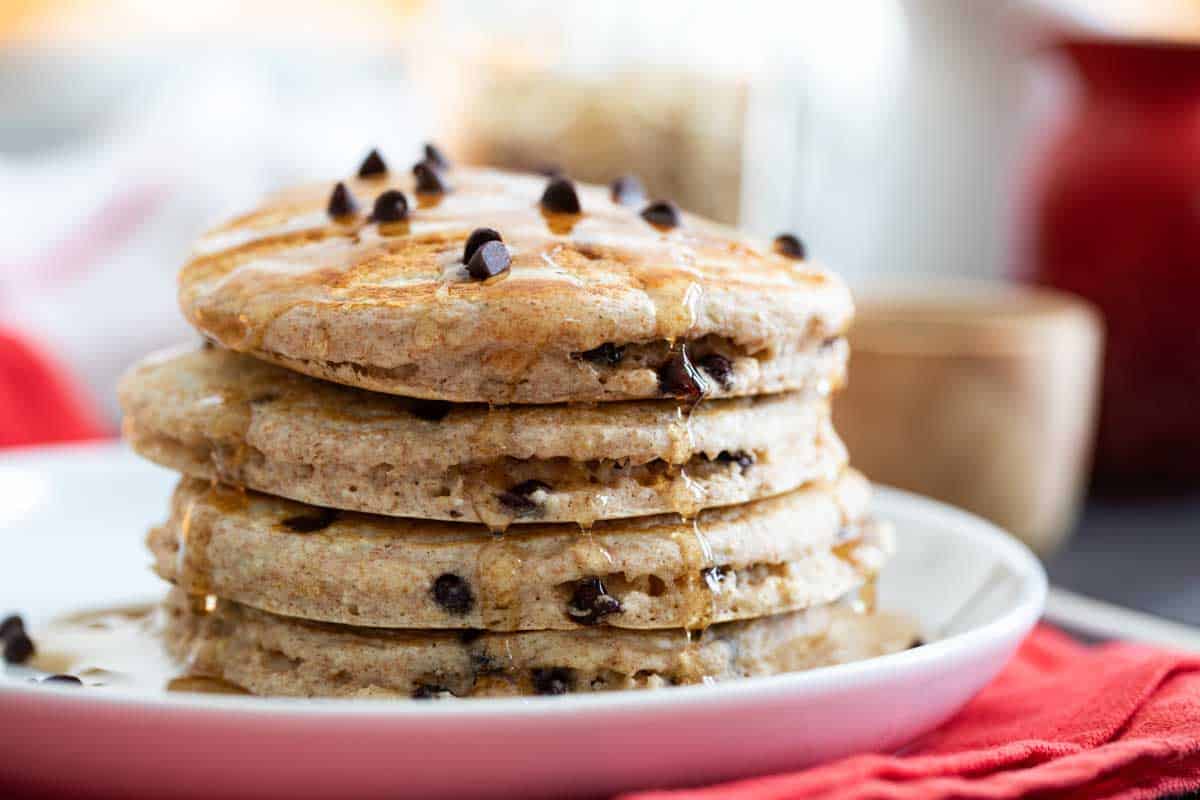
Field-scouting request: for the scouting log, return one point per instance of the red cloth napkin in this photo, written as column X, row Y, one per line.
column 39, row 403
column 1062, row 720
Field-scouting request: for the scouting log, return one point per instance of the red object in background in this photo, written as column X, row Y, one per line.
column 1117, row 204
column 39, row 404
column 1062, row 720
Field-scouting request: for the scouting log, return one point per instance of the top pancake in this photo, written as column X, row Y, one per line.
column 389, row 307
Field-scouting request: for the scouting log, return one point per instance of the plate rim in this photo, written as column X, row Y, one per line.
column 1014, row 623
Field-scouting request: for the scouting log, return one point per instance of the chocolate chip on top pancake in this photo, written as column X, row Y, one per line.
column 556, row 306
column 212, row 413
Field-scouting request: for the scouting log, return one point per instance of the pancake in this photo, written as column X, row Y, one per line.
column 594, row 307
column 273, row 655
column 216, row 414
column 796, row 550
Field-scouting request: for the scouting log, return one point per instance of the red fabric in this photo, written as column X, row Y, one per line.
column 1062, row 720
column 38, row 402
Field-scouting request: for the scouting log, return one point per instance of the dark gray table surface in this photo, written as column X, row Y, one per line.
column 1141, row 554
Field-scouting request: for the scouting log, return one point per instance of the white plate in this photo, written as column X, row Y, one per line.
column 71, row 527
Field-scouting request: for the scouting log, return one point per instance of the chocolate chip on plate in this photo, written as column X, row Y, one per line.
column 491, row 258
column 372, row 165
column 608, row 354
column 63, row 680
column 663, row 214
column 740, row 457
column 311, row 522
column 435, row 156
column 560, row 197
column 591, row 602
column 679, row 378
column 552, row 680
column 627, row 190
column 519, row 499
column 429, row 410
column 478, row 238
column 429, row 178
column 718, row 368
column 391, row 206
column 11, row 626
column 341, row 202
column 453, row 593
column 789, row 245
column 18, row 647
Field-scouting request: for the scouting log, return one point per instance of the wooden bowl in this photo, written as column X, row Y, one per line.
column 980, row 395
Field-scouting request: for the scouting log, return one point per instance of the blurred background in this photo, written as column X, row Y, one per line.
column 1012, row 188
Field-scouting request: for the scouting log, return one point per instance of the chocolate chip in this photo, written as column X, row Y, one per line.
column 391, row 206
column 430, row 691
column 429, row 410
column 740, row 457
column 490, row 259
column 678, row 378
column 478, row 238
column 429, row 178
column 627, row 190
column 714, row 577
column 453, row 593
column 607, row 354
column 552, row 680
column 470, row 635
column 18, row 647
column 11, row 626
column 718, row 368
column 63, row 680
column 519, row 499
column 341, row 202
column 591, row 602
column 663, row 214
column 317, row 519
column 560, row 197
column 435, row 156
column 372, row 165
column 789, row 245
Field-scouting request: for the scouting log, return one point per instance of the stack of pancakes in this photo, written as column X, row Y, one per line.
column 465, row 432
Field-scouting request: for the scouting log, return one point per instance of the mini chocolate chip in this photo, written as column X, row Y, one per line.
column 714, row 577
column 435, row 156
column 372, row 165
column 552, row 680
column 718, row 368
column 429, row 178
column 490, row 259
column 608, row 354
column 519, row 499
column 455, row 514
column 65, row 680
column 789, row 245
column 391, row 206
column 18, row 647
column 560, row 197
column 678, row 378
column 478, row 238
column 627, row 190
column 429, row 410
column 429, row 691
column 341, row 202
column 591, row 602
column 739, row 457
column 663, row 214
column 453, row 593
column 11, row 626
column 318, row 519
